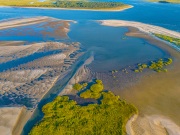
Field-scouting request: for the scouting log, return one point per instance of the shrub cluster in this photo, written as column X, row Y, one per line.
column 64, row 4
column 87, row 5
column 94, row 91
column 65, row 117
column 157, row 66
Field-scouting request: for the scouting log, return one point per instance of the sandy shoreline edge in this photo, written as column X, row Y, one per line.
column 153, row 124
column 149, row 124
column 19, row 22
column 146, row 28
column 52, row 8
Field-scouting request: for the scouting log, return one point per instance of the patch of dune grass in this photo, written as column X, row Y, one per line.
column 175, row 41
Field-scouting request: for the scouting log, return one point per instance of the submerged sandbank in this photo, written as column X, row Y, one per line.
column 42, row 27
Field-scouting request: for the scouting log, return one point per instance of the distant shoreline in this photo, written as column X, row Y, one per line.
column 166, row 1
column 115, row 9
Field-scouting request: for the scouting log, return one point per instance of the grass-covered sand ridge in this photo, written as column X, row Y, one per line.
column 175, row 41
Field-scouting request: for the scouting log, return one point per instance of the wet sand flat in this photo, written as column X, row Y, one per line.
column 37, row 28
column 156, row 95
column 22, row 22
column 8, row 53
column 11, row 43
column 28, row 83
column 37, row 66
column 9, row 117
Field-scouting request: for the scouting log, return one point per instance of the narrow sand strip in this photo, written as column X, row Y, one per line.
column 22, row 22
column 11, row 43
column 147, row 28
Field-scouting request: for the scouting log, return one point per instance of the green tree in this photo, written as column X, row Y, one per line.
column 77, row 86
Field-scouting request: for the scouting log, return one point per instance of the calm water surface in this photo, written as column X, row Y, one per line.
column 111, row 47
column 165, row 15
column 107, row 42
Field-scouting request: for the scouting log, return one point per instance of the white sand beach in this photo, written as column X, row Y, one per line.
column 147, row 28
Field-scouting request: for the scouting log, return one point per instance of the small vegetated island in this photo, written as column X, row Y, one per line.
column 107, row 115
column 158, row 66
column 166, row 1
column 66, row 4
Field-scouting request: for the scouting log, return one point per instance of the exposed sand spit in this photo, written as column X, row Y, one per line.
column 141, row 26
column 22, row 22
